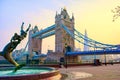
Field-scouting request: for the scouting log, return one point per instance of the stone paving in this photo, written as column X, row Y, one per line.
column 109, row 72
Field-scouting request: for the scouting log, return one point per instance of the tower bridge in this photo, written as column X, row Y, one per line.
column 65, row 34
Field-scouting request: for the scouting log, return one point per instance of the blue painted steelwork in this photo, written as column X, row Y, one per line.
column 39, row 56
column 47, row 34
column 97, row 52
column 76, row 35
column 91, row 43
column 44, row 31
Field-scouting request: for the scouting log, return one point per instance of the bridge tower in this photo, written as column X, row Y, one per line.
column 35, row 44
column 62, row 39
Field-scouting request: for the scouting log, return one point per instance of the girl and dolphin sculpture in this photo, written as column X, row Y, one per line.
column 8, row 49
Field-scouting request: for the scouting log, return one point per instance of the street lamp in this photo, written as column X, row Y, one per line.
column 105, row 56
column 65, row 54
column 94, row 51
column 95, row 60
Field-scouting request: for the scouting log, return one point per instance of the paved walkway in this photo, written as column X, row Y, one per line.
column 109, row 72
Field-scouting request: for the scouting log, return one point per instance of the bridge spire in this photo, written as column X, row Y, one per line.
column 86, row 48
column 72, row 16
column 56, row 15
column 64, row 8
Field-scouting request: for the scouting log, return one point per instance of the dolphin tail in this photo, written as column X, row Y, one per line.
column 18, row 67
column 9, row 57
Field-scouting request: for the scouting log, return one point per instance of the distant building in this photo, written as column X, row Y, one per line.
column 86, row 47
column 118, row 46
column 19, row 54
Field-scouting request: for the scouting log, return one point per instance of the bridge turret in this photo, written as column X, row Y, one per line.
column 72, row 19
column 56, row 15
column 65, row 14
column 35, row 29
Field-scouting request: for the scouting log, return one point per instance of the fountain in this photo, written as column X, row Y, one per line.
column 19, row 72
column 30, row 73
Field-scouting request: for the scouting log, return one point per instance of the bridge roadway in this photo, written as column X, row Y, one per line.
column 94, row 52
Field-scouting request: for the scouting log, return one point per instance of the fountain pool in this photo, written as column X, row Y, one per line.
column 28, row 73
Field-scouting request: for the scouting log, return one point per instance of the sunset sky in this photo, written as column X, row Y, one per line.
column 93, row 15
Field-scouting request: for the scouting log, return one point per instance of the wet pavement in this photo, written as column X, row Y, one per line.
column 109, row 72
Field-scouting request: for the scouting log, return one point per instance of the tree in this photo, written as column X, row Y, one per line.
column 116, row 12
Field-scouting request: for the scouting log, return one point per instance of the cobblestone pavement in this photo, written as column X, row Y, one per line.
column 109, row 72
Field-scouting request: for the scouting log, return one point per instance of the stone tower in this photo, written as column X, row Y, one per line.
column 34, row 43
column 63, row 39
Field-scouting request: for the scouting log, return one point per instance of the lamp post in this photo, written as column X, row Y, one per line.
column 105, row 57
column 65, row 54
column 94, row 51
column 27, row 59
column 66, row 58
column 95, row 62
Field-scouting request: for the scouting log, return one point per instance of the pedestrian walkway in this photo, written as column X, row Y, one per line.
column 109, row 72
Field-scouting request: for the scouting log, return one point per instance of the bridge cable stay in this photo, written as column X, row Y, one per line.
column 91, row 43
column 94, row 40
column 72, row 35
column 96, row 44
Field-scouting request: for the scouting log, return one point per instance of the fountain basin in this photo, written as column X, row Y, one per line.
column 29, row 73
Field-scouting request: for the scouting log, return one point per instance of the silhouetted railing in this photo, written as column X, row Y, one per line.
column 52, row 62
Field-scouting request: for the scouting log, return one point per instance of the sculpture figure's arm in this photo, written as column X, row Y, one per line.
column 22, row 25
column 28, row 28
column 24, row 33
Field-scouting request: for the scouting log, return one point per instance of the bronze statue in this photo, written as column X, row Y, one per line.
column 8, row 49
